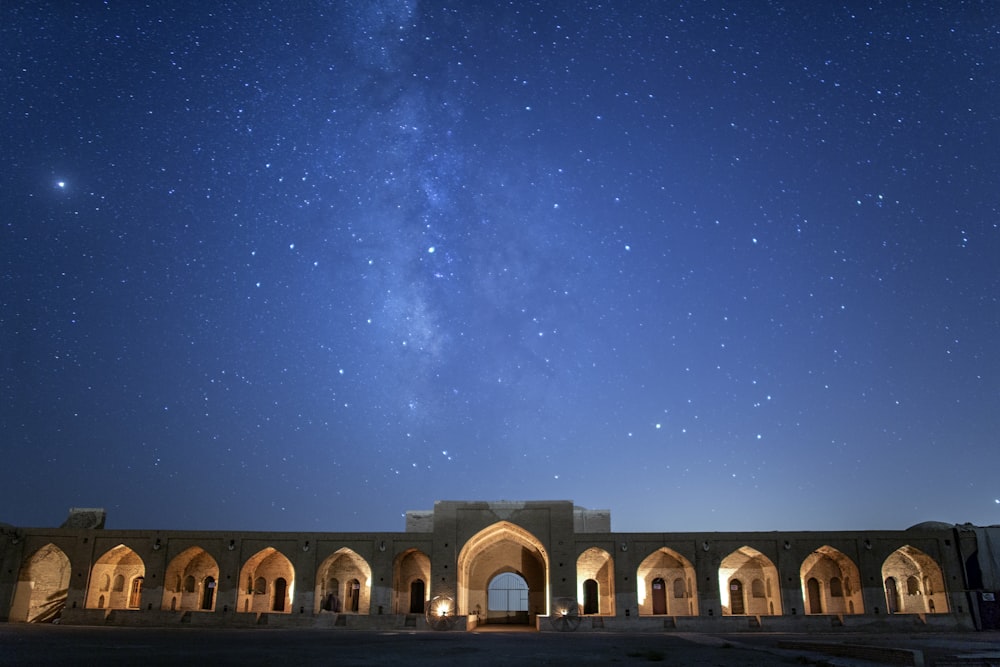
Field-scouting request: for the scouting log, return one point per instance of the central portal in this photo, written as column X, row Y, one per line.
column 503, row 576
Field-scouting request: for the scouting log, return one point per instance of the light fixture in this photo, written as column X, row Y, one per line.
column 305, row 547
column 232, row 544
column 705, row 546
column 157, row 545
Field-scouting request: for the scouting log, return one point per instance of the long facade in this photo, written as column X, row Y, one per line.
column 548, row 564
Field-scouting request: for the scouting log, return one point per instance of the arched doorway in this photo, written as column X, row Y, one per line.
column 208, row 594
column 353, row 596
column 507, row 600
column 659, row 596
column 591, row 597
column 410, row 567
column 736, row 599
column 497, row 549
column 417, row 596
column 280, row 588
column 595, row 576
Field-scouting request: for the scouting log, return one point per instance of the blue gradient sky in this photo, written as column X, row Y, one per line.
column 305, row 266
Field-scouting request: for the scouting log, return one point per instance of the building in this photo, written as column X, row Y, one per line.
column 548, row 564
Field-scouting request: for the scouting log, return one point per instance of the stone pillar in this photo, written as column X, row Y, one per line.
column 706, row 567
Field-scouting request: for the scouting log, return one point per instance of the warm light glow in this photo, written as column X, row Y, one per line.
column 442, row 609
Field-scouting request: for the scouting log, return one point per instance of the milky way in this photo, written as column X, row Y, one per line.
column 307, row 266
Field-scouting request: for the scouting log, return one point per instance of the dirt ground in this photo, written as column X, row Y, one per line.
column 106, row 646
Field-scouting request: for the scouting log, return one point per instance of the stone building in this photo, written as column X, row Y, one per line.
column 548, row 564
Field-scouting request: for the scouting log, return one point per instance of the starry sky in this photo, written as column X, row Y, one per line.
column 304, row 266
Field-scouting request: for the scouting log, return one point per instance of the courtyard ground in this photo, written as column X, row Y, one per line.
column 44, row 645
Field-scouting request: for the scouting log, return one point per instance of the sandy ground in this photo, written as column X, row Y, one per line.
column 73, row 645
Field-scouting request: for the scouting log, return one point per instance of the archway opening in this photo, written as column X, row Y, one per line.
column 190, row 581
column 595, row 578
column 831, row 583
column 410, row 567
column 42, row 586
column 666, row 584
column 507, row 600
column 917, row 583
column 502, row 548
column 261, row 591
column 746, row 564
column 343, row 583
column 108, row 579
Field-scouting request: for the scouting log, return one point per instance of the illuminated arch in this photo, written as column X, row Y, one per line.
column 191, row 581
column 917, row 580
column 42, row 586
column 666, row 584
column 502, row 547
column 748, row 584
column 831, row 583
column 267, row 583
column 595, row 582
column 119, row 564
column 336, row 577
column 411, row 576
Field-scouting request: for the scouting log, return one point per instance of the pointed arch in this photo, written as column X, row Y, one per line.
column 502, row 547
column 124, row 567
column 747, row 584
column 655, row 579
column 42, row 586
column 410, row 567
column 344, row 582
column 191, row 575
column 837, row 583
column 914, row 583
column 595, row 565
column 262, row 572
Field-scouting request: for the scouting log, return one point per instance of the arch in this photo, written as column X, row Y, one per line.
column 280, row 590
column 191, row 571
column 410, row 567
column 922, row 590
column 748, row 564
column 42, row 586
column 335, row 579
column 208, row 593
column 596, row 565
column 502, row 547
column 834, row 573
column 118, row 564
column 507, row 599
column 662, row 566
column 262, row 571
column 814, row 601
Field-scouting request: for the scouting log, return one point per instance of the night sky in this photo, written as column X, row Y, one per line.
column 305, row 266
